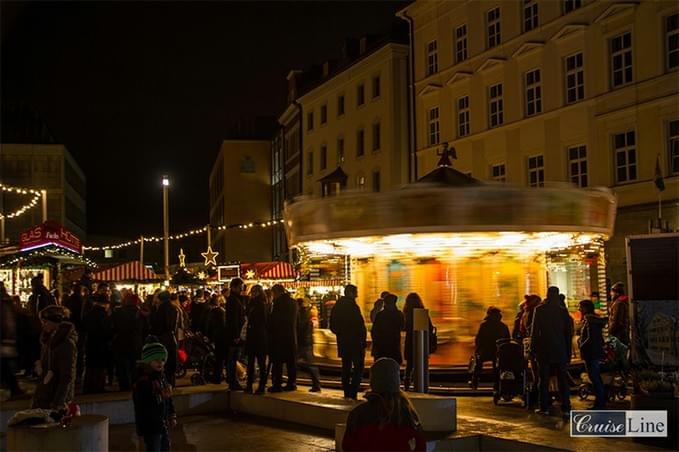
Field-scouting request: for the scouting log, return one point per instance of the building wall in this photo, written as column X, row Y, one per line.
column 644, row 105
column 389, row 109
column 240, row 193
column 44, row 166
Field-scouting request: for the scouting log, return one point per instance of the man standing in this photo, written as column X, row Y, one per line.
column 618, row 325
column 97, row 325
column 199, row 309
column 234, row 321
column 551, row 339
column 283, row 339
column 347, row 323
column 378, row 306
column 386, row 331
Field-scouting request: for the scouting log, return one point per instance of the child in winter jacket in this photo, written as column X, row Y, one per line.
column 152, row 395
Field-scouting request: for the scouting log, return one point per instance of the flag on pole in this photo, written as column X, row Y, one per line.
column 659, row 181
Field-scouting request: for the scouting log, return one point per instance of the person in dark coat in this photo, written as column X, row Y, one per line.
column 57, row 361
column 283, row 339
column 386, row 331
column 233, row 328
column 305, row 343
column 551, row 339
column 215, row 331
column 164, row 325
column 348, row 325
column 256, row 337
column 199, row 310
column 129, row 330
column 378, row 306
column 490, row 331
column 591, row 345
column 618, row 322
column 8, row 347
column 76, row 304
column 413, row 301
column 97, row 325
column 40, row 297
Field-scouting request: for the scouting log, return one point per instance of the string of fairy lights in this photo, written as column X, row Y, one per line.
column 21, row 191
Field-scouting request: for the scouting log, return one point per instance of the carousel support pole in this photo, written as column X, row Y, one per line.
column 44, row 205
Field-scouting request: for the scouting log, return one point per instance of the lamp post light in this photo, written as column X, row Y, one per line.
column 166, row 227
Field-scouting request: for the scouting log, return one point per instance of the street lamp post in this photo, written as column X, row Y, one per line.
column 166, row 227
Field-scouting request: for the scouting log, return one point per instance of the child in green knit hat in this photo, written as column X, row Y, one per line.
column 152, row 395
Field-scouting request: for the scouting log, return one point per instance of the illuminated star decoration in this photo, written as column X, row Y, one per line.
column 210, row 256
column 182, row 258
column 202, row 275
column 250, row 274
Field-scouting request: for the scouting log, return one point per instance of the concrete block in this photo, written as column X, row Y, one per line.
column 437, row 414
column 86, row 433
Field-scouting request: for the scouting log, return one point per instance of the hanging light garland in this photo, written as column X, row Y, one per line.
column 21, row 191
column 152, row 239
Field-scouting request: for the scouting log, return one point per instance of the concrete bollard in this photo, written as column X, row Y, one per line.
column 87, row 433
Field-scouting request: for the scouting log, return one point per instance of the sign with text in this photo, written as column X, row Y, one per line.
column 228, row 272
column 49, row 233
column 611, row 423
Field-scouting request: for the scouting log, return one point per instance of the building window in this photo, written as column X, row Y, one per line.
column 376, row 136
column 340, row 150
column 536, row 171
column 493, row 27
column 463, row 116
column 530, row 15
column 360, row 182
column 624, row 145
column 495, row 105
column 310, row 163
column 577, row 165
column 340, row 105
column 571, row 5
column 498, row 173
column 621, row 59
column 310, row 121
column 432, row 58
column 674, row 146
column 672, row 40
column 360, row 95
column 376, row 181
column 461, row 43
column 324, row 157
column 533, row 92
column 324, row 114
column 575, row 78
column 360, row 142
column 433, row 126
column 376, row 87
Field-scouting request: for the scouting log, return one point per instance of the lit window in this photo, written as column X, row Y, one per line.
column 433, row 126
column 360, row 95
column 324, row 114
column 376, row 181
column 310, row 120
column 621, row 59
column 340, row 150
column 575, row 78
column 672, row 40
column 674, row 146
column 463, row 116
column 536, row 171
column 624, row 146
column 461, row 43
column 577, row 165
column 498, row 173
column 376, row 136
column 571, row 5
column 495, row 105
column 530, row 15
column 432, row 58
column 340, row 105
column 376, row 87
column 533, row 92
column 324, row 157
column 493, row 27
column 360, row 142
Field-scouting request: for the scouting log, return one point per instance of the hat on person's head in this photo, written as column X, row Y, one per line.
column 54, row 313
column 164, row 296
column 384, row 294
column 587, row 305
column 618, row 287
column 385, row 376
column 350, row 290
column 235, row 282
column 390, row 298
column 552, row 291
column 153, row 351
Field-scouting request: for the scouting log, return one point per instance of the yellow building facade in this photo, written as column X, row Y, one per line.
column 544, row 92
column 357, row 119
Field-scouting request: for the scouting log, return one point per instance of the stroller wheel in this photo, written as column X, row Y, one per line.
column 583, row 392
column 180, row 372
column 197, row 379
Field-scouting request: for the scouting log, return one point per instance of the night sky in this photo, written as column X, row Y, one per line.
column 136, row 90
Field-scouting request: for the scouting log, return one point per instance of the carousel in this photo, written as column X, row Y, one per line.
column 461, row 244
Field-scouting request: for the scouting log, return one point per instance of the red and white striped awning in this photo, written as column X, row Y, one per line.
column 130, row 271
column 318, row 283
column 267, row 270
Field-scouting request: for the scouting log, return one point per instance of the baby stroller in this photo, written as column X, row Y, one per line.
column 199, row 354
column 614, row 372
column 510, row 373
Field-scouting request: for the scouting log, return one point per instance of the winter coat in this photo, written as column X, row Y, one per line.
column 347, row 323
column 235, row 318
column 129, row 330
column 75, row 304
column 618, row 325
column 283, row 328
column 199, row 311
column 490, row 330
column 39, row 300
column 97, row 325
column 552, row 333
column 152, row 397
column 8, row 328
column 591, row 340
column 305, row 328
column 58, row 359
column 408, row 345
column 256, row 338
column 214, row 326
column 164, row 325
column 365, row 430
column 377, row 307
column 386, row 333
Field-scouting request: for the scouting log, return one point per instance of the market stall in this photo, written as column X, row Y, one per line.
column 132, row 276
